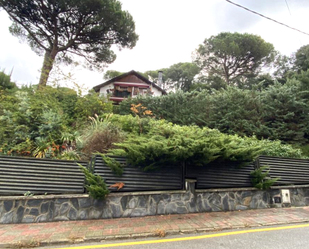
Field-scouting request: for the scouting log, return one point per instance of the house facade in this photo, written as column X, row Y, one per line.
column 131, row 84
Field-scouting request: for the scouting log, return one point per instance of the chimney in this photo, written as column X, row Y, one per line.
column 160, row 79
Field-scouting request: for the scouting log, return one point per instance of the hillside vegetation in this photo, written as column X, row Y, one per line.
column 208, row 115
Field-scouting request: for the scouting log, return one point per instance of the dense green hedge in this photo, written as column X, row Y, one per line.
column 279, row 112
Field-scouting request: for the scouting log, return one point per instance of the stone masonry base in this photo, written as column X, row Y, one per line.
column 21, row 209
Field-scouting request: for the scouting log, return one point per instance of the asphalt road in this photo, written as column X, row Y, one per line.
column 283, row 237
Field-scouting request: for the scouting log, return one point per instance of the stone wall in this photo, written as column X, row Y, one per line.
column 81, row 207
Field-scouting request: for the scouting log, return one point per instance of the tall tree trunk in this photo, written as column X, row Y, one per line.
column 48, row 62
column 226, row 74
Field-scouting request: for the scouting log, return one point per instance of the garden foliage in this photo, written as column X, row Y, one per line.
column 114, row 165
column 95, row 185
column 277, row 112
column 164, row 144
column 46, row 123
column 196, row 127
column 99, row 136
column 261, row 179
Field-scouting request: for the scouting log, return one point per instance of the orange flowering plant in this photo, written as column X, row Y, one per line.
column 140, row 110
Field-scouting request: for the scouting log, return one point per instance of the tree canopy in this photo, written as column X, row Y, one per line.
column 109, row 74
column 179, row 76
column 233, row 56
column 302, row 58
column 65, row 28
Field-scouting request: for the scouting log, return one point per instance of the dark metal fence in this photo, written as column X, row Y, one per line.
column 221, row 175
column 291, row 171
column 135, row 179
column 19, row 175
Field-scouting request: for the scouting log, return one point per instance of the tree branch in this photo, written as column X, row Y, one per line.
column 26, row 28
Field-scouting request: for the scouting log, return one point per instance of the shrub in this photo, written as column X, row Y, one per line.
column 5, row 81
column 70, row 154
column 131, row 124
column 95, row 185
column 261, row 179
column 277, row 148
column 100, row 136
column 114, row 165
column 91, row 104
column 167, row 144
column 277, row 112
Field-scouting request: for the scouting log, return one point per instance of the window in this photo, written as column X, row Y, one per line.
column 122, row 92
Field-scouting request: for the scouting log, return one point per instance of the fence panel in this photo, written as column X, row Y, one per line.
column 291, row 171
column 19, row 175
column 221, row 175
column 135, row 179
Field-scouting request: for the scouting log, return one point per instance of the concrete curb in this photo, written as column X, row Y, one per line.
column 34, row 243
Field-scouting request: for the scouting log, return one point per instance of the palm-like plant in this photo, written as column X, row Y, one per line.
column 43, row 148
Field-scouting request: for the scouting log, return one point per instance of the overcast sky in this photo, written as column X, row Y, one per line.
column 169, row 31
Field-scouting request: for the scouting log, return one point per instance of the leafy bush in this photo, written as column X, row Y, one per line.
column 260, row 178
column 37, row 122
column 95, row 185
column 114, row 165
column 167, row 144
column 277, row 112
column 277, row 148
column 70, row 154
column 91, row 104
column 100, row 136
column 285, row 112
column 5, row 81
column 305, row 150
column 184, row 108
column 131, row 124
